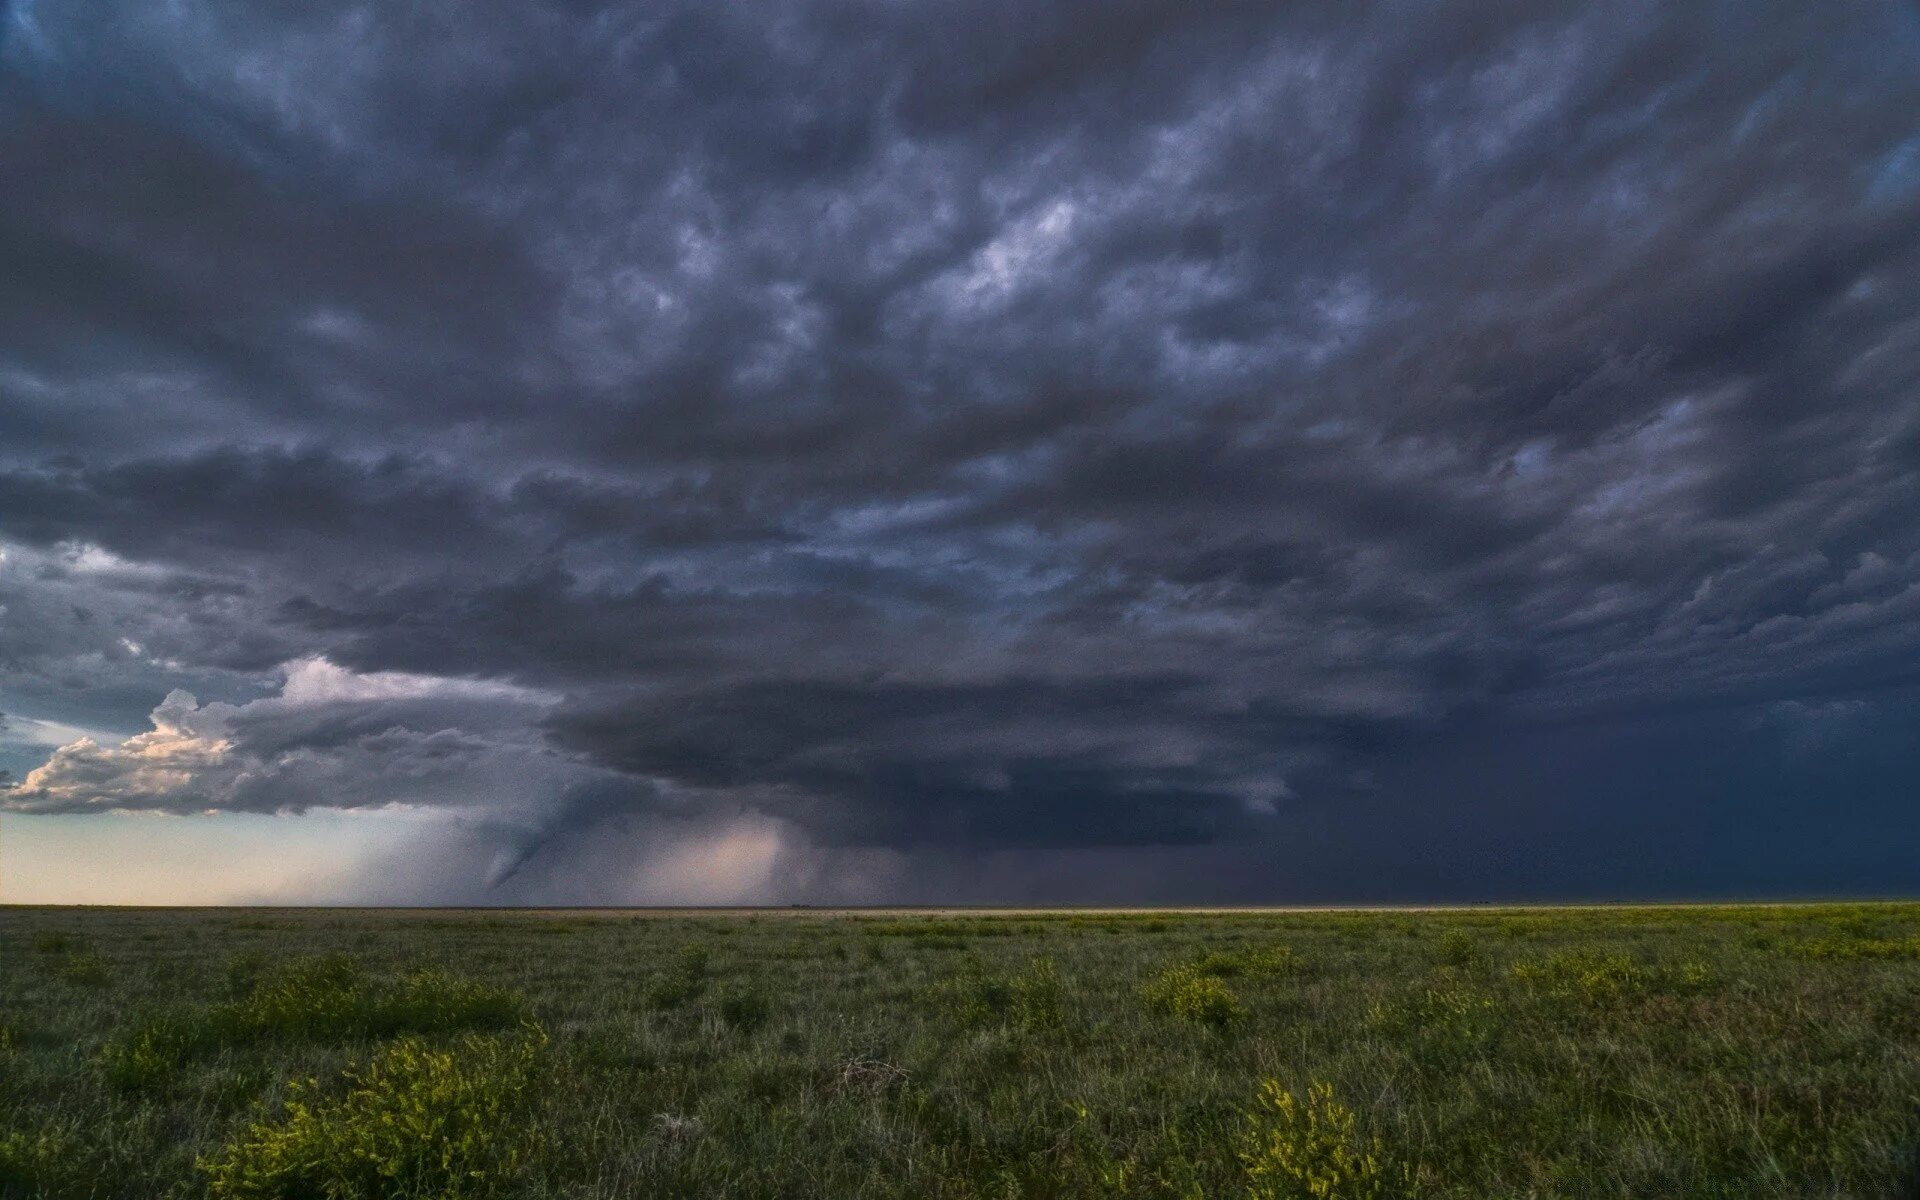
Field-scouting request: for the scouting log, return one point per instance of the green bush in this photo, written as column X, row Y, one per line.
column 1231, row 964
column 1690, row 978
column 86, row 970
column 1038, row 996
column 1598, row 980
column 1854, row 947
column 1309, row 1148
column 1583, row 976
column 975, row 997
column 334, row 996
column 1190, row 995
column 150, row 1053
column 450, row 1124
column 692, row 959
column 673, row 990
column 312, row 999
column 743, row 1008
column 244, row 970
column 434, row 1001
column 684, row 981
column 34, row 1164
column 944, row 930
column 1032, row 999
column 1440, row 1023
column 1458, row 949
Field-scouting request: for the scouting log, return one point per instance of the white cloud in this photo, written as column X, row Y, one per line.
column 332, row 738
column 315, row 681
column 1018, row 254
column 19, row 731
column 148, row 770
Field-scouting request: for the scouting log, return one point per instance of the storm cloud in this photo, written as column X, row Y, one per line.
column 1108, row 450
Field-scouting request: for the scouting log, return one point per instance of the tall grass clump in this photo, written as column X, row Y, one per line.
column 1265, row 962
column 1189, row 994
column 1583, row 976
column 1310, row 1148
column 743, row 1007
column 35, row 1163
column 1588, row 978
column 1855, row 947
column 1032, row 999
column 934, row 928
column 1458, row 949
column 313, row 999
column 334, row 996
column 685, row 980
column 415, row 1122
column 84, row 970
column 1038, row 996
column 1439, row 1024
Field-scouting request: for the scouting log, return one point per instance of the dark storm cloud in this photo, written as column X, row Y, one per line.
column 1000, row 431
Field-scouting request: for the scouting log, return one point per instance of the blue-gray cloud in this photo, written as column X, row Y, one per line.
column 1040, row 429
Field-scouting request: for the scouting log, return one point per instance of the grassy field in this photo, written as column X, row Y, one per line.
column 1729, row 1051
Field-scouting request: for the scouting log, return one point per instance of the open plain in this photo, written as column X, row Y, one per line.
column 1686, row 1051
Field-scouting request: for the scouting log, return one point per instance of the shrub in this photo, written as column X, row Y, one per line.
column 692, row 959
column 70, row 961
column 311, row 999
column 1853, row 947
column 1309, row 1148
column 434, row 1001
column 943, row 931
column 1439, row 1023
column 673, row 990
column 309, row 996
column 452, row 1124
column 1188, row 994
column 1032, row 999
column 244, row 970
column 1584, row 976
column 975, row 997
column 86, row 970
column 148, row 1054
column 1690, row 978
column 1458, row 949
column 743, row 1008
column 1230, row 964
column 334, row 996
column 1037, row 996
column 35, row 1163
column 684, row 981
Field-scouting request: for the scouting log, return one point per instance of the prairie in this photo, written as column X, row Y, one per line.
column 1679, row 1051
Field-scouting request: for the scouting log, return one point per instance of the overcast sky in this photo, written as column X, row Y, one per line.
column 987, row 451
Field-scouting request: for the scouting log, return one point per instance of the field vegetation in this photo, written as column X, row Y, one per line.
column 1727, row 1051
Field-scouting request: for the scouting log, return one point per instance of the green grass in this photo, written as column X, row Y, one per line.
column 1731, row 1051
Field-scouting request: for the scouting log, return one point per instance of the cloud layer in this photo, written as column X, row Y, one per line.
column 1162, row 432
